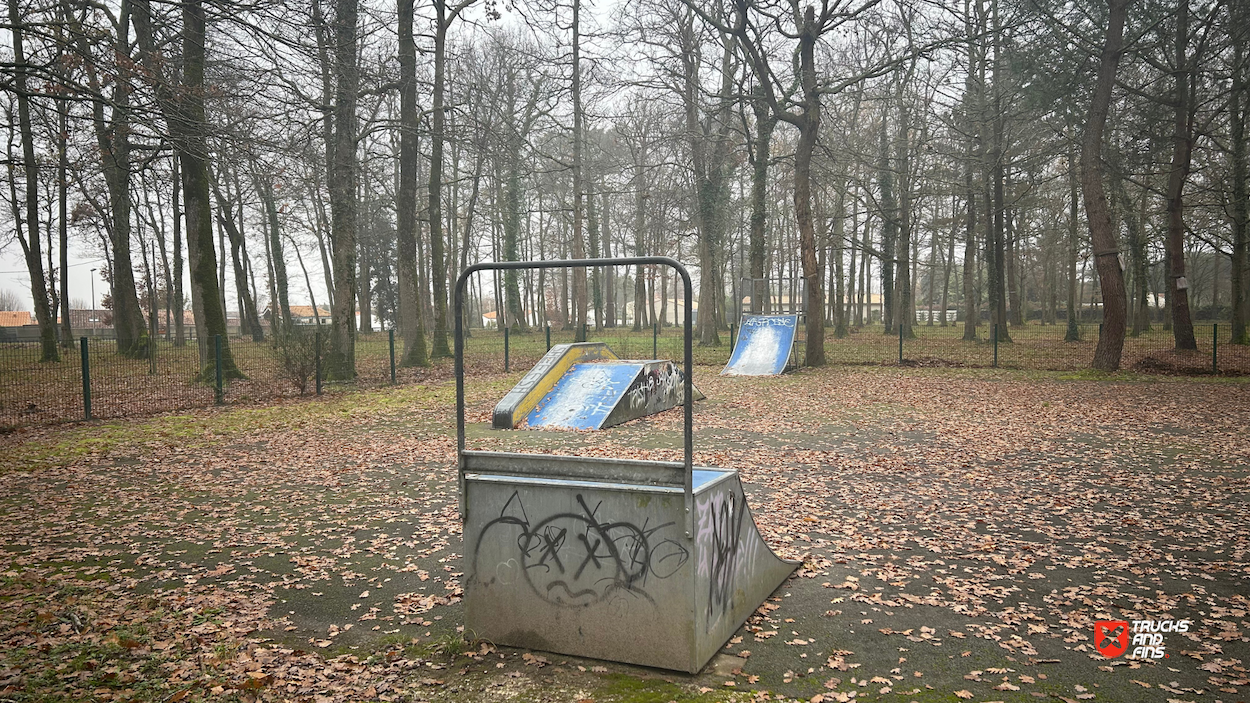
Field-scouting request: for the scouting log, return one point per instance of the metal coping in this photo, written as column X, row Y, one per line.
column 688, row 448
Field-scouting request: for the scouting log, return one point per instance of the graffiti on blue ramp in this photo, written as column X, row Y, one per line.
column 764, row 345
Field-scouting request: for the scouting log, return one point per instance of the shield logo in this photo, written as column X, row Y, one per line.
column 1111, row 637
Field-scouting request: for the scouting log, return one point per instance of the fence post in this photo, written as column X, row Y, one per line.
column 548, row 337
column 900, row 342
column 86, row 381
column 733, row 340
column 391, row 341
column 317, row 365
column 506, row 360
column 1215, row 345
column 152, row 321
column 218, row 395
column 994, row 334
column 655, row 340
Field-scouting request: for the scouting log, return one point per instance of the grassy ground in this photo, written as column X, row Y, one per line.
column 33, row 393
column 961, row 530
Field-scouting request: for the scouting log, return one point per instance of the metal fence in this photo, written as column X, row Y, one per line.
column 109, row 385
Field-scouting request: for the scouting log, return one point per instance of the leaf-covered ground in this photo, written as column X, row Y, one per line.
column 961, row 531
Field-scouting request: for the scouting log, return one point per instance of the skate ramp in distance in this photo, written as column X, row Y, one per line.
column 585, row 387
column 764, row 345
column 535, row 385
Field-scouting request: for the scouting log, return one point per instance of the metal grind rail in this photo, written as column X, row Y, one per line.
column 687, row 366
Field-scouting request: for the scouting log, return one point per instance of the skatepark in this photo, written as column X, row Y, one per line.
column 875, row 533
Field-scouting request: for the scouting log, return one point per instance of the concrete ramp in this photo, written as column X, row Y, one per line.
column 764, row 345
column 589, row 557
column 585, row 387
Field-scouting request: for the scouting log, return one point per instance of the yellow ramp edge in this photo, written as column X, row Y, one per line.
column 536, row 384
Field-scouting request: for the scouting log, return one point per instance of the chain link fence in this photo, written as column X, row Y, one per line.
column 93, row 381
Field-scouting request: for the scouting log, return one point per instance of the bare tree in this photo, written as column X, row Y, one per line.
column 29, row 220
column 1106, row 250
column 410, row 322
column 181, row 101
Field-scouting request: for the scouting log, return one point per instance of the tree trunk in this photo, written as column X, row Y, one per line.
column 809, row 129
column 996, row 206
column 512, row 235
column 1015, row 276
column 250, row 321
column 62, row 185
column 113, row 142
column 364, row 290
column 411, row 323
column 183, row 108
column 44, row 314
column 765, row 123
column 850, row 316
column 579, row 238
column 340, row 358
column 949, row 264
column 1182, row 149
column 708, row 152
column 903, row 300
column 1135, row 224
column 180, row 302
column 1073, row 333
column 640, row 227
column 1239, row 106
column 438, row 253
column 1106, row 253
column 972, row 312
column 889, row 228
column 839, row 246
column 596, row 289
column 609, row 306
column 282, row 287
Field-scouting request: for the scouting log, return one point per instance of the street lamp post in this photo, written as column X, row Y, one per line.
column 92, row 313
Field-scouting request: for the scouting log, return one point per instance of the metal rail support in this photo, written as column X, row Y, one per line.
column 218, row 391
column 391, row 341
column 688, row 364
column 317, row 362
column 994, row 334
column 86, row 380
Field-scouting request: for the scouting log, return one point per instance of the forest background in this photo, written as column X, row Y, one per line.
column 882, row 161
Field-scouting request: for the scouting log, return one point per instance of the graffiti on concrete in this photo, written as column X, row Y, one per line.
column 725, row 556
column 573, row 559
column 658, row 388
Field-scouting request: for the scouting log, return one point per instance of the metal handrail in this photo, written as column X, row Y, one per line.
column 688, row 458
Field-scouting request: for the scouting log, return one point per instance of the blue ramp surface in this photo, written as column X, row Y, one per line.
column 764, row 345
column 584, row 397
